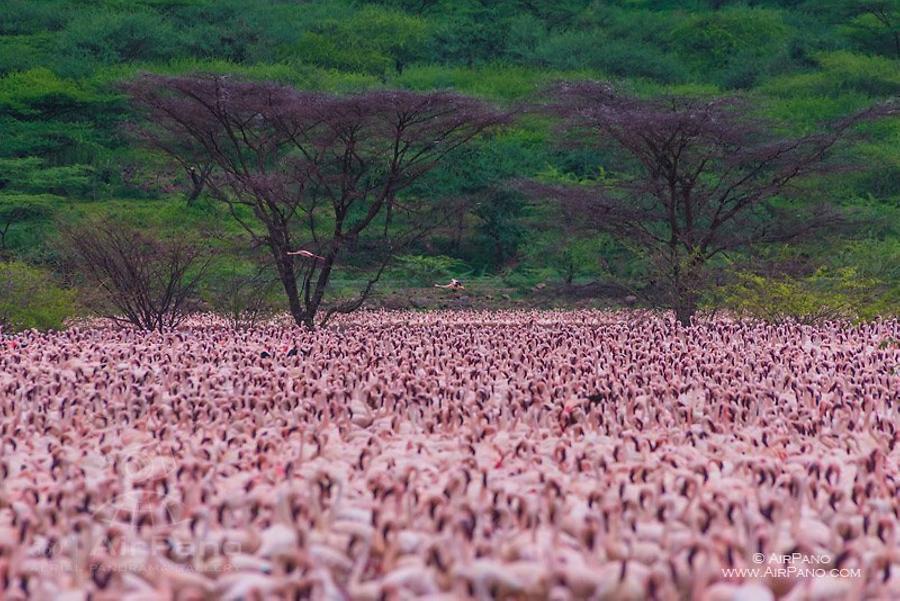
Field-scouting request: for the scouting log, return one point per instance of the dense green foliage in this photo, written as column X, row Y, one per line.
column 65, row 151
column 30, row 299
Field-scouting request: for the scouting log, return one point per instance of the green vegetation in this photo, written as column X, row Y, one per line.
column 67, row 151
column 29, row 298
column 826, row 294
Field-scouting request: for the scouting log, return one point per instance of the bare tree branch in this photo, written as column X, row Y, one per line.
column 709, row 171
column 148, row 282
column 290, row 155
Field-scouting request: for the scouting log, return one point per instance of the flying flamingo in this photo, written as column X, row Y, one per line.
column 307, row 254
column 453, row 285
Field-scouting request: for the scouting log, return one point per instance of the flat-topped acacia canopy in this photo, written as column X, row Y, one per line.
column 707, row 171
column 294, row 157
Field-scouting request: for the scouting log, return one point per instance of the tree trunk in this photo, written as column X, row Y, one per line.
column 198, row 181
column 288, row 278
column 684, row 312
column 499, row 255
column 196, row 190
column 290, row 287
column 688, row 278
column 312, row 307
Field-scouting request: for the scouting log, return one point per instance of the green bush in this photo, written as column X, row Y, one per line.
column 734, row 47
column 375, row 41
column 19, row 216
column 39, row 92
column 841, row 293
column 425, row 271
column 713, row 40
column 116, row 37
column 30, row 299
column 524, row 277
column 840, row 73
column 611, row 57
column 872, row 26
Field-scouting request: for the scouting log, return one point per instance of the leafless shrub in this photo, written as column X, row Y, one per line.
column 135, row 277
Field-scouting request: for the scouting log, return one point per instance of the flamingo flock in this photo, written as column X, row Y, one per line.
column 451, row 455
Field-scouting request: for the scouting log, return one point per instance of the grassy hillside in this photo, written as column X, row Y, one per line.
column 65, row 152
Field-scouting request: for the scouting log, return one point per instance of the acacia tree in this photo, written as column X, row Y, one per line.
column 15, row 210
column 706, row 178
column 311, row 170
column 875, row 19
